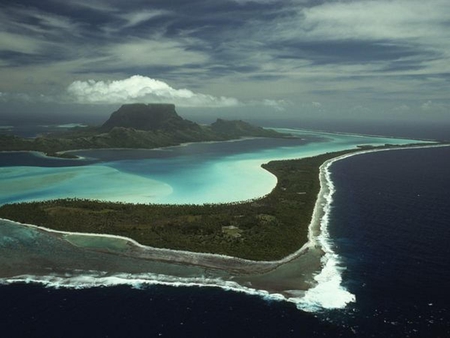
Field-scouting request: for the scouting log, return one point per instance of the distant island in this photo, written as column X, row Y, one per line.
column 137, row 125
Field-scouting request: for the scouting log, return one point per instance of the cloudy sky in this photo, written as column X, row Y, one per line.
column 325, row 58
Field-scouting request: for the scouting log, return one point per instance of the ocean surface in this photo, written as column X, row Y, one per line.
column 388, row 225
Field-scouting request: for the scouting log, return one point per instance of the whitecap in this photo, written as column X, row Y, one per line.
column 329, row 292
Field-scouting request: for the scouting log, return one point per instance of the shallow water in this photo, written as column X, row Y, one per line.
column 195, row 173
column 213, row 172
column 157, row 310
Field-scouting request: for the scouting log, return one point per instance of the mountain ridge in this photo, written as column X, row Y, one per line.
column 137, row 126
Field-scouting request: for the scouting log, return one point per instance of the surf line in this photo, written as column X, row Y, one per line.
column 329, row 292
column 200, row 259
column 326, row 294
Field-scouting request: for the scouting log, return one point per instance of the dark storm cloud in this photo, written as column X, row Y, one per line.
column 234, row 48
column 225, row 32
column 358, row 51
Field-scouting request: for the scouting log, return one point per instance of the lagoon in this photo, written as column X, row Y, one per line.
column 191, row 173
column 195, row 173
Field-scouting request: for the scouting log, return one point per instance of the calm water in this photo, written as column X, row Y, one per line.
column 195, row 173
column 389, row 223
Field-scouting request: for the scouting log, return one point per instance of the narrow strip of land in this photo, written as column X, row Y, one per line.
column 268, row 228
column 265, row 229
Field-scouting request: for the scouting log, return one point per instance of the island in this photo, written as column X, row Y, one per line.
column 265, row 229
column 268, row 228
column 272, row 245
column 145, row 126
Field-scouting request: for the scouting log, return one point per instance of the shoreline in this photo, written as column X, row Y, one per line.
column 314, row 249
column 323, row 131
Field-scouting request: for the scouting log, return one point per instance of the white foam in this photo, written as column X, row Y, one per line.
column 89, row 279
column 328, row 293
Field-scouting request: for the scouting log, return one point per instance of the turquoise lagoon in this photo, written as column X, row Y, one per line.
column 196, row 173
column 191, row 173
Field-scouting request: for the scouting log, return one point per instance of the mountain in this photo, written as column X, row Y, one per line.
column 147, row 117
column 240, row 128
column 137, row 126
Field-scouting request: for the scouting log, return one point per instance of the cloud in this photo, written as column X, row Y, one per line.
column 136, row 18
column 143, row 52
column 264, row 2
column 359, row 109
column 142, row 89
column 427, row 105
column 402, row 36
column 431, row 106
column 377, row 20
column 98, row 6
column 278, row 105
column 402, row 108
column 18, row 43
column 256, row 51
column 21, row 97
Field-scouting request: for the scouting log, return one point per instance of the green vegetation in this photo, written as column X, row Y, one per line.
column 136, row 126
column 268, row 228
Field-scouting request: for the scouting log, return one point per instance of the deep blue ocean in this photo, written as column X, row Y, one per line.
column 390, row 222
column 391, row 226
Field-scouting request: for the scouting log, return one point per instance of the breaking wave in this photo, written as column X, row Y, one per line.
column 328, row 293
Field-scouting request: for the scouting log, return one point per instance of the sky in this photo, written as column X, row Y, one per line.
column 355, row 59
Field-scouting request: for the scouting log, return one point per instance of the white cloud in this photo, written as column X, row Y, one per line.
column 31, row 21
column 136, row 18
column 140, row 52
column 359, row 109
column 278, row 105
column 98, row 5
column 19, row 43
column 22, row 97
column 142, row 89
column 431, row 106
column 376, row 19
column 427, row 105
column 413, row 25
column 402, row 108
column 243, row 2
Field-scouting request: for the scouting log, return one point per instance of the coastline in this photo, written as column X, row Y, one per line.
column 249, row 186
column 330, row 132
column 265, row 278
column 238, row 269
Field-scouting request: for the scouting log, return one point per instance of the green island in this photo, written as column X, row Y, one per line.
column 137, row 125
column 268, row 228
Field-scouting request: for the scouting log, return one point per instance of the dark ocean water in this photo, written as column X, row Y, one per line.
column 391, row 226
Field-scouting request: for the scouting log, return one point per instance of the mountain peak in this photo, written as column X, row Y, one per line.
column 154, row 116
column 239, row 128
